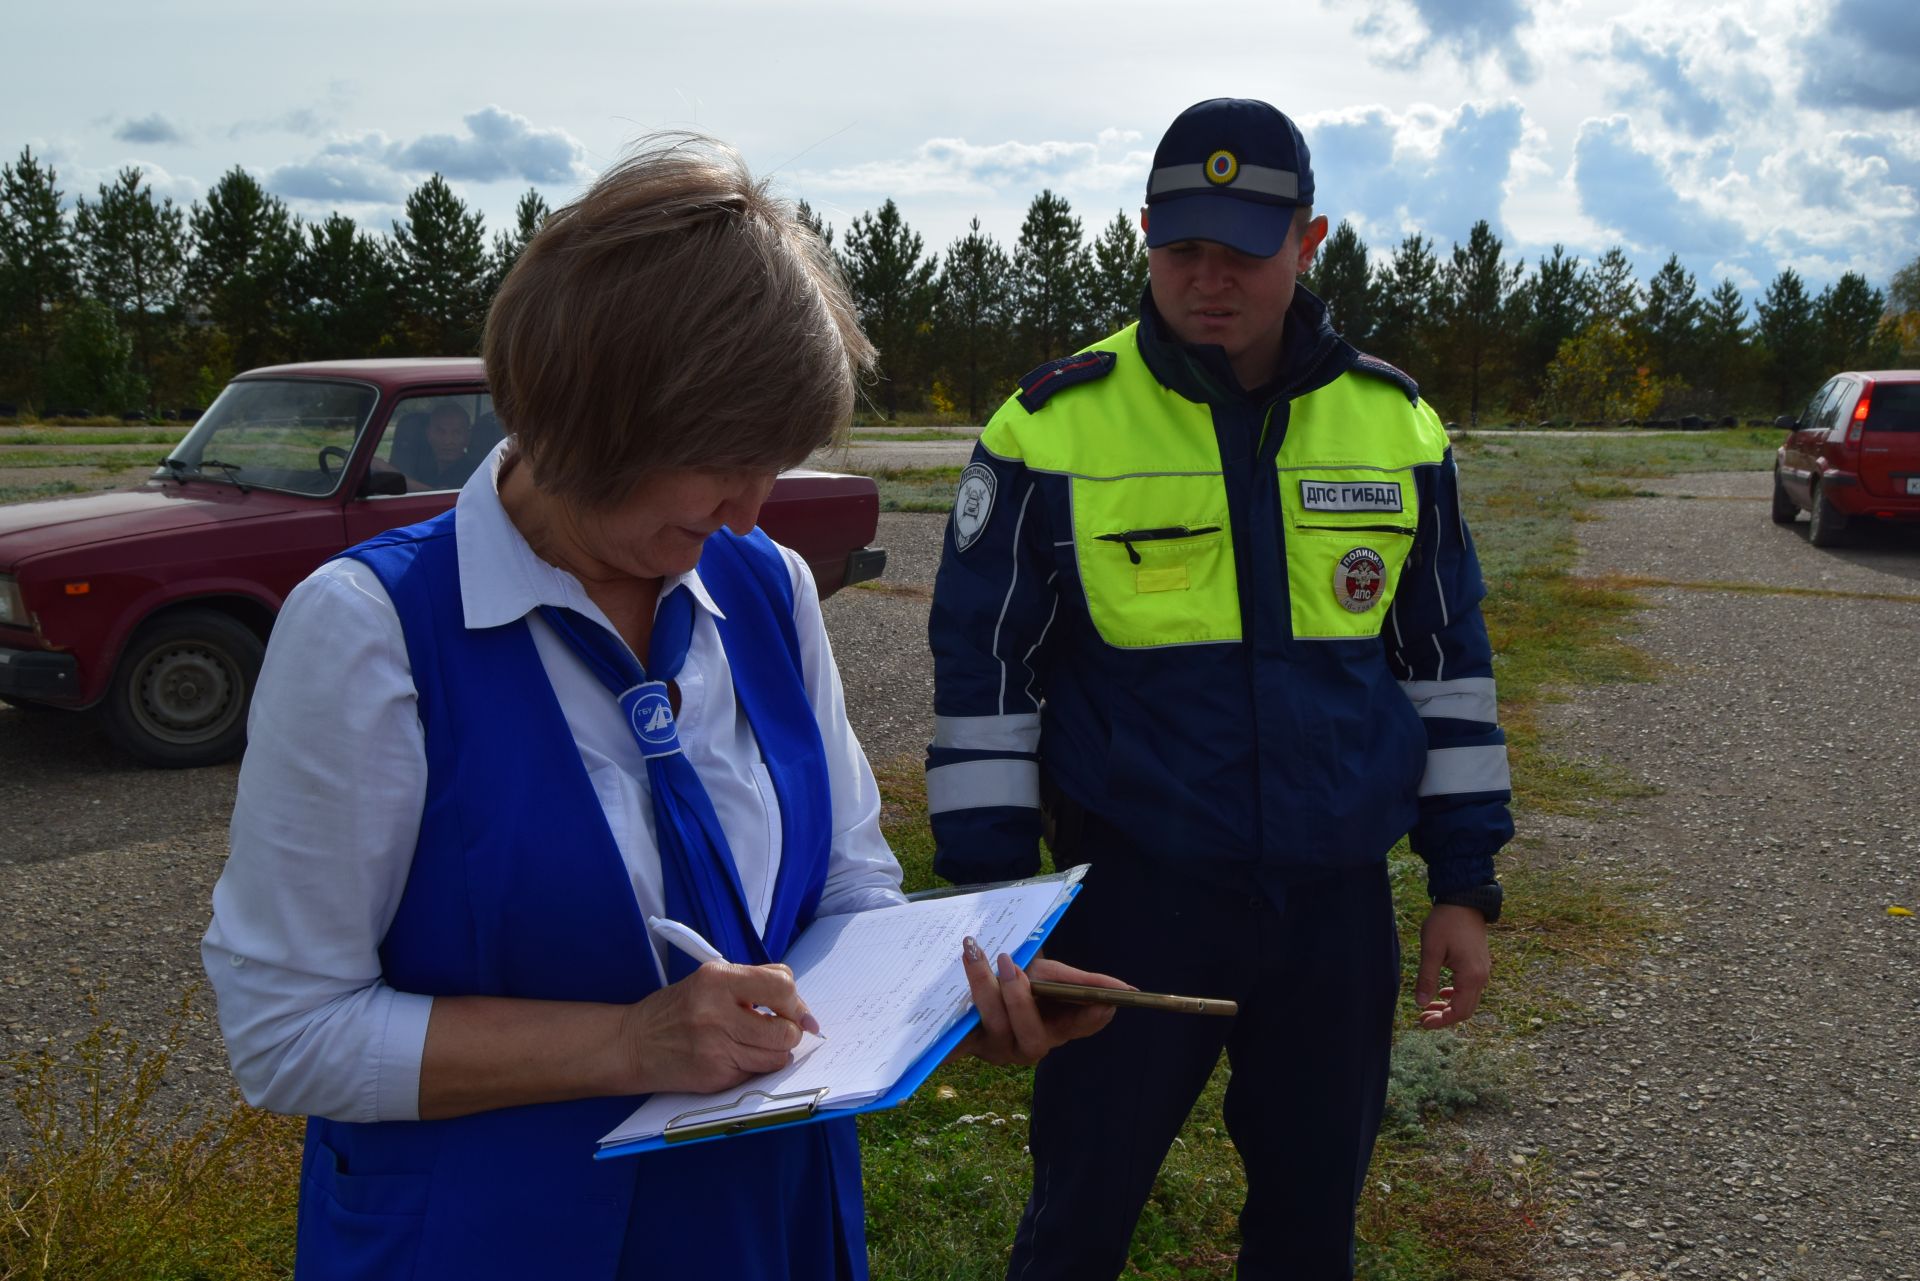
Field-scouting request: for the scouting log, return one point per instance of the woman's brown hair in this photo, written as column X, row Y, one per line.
column 676, row 315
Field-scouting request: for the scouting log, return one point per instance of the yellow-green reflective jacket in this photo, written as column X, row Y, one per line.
column 1243, row 630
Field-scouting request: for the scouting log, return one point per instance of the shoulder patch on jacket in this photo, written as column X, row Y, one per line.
column 1378, row 368
column 1068, row 371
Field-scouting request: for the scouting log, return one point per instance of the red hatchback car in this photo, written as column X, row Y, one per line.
column 1854, row 454
column 153, row 606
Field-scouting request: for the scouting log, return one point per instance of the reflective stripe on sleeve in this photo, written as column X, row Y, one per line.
column 972, row 785
column 1470, row 698
column 1014, row 732
column 1454, row 770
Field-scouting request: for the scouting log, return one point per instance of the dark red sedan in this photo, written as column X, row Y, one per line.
column 153, row 606
column 1853, row 454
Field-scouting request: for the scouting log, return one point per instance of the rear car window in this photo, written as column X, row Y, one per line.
column 1895, row 407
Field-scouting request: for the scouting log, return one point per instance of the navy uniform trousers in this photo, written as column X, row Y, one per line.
column 1316, row 977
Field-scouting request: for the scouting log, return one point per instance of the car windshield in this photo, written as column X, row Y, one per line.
column 294, row 435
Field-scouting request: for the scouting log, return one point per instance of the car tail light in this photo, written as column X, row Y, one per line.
column 1859, row 422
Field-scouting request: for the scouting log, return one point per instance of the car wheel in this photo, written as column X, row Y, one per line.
column 1829, row 523
column 1785, row 510
column 179, row 697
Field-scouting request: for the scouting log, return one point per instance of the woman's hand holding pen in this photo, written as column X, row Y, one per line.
column 1015, row 1028
column 708, row 1031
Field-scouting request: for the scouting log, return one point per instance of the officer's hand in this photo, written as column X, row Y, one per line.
column 1453, row 938
column 1015, row 1028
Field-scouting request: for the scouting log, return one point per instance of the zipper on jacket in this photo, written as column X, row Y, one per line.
column 1129, row 537
column 1362, row 529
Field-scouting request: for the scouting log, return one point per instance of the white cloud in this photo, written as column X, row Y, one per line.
column 149, row 130
column 372, row 168
column 1407, row 32
column 498, row 145
column 1863, row 53
column 331, row 179
column 1425, row 170
column 1624, row 186
column 956, row 167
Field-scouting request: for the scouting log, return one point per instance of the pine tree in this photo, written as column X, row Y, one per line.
column 1671, row 318
column 1409, row 295
column 1343, row 278
column 36, row 273
column 528, row 217
column 344, row 292
column 810, row 218
column 1553, row 308
column 1476, row 307
column 1789, row 340
column 1052, row 269
column 893, row 288
column 1723, row 345
column 244, row 246
column 440, row 267
column 1119, row 274
column 1848, row 314
column 133, row 255
column 1612, row 292
column 973, row 317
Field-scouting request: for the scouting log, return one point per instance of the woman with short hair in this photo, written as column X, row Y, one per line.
column 459, row 804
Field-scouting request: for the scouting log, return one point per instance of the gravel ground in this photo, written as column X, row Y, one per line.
column 1741, row 1098
column 1738, row 1100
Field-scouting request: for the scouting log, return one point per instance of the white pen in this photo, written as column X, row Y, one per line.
column 688, row 940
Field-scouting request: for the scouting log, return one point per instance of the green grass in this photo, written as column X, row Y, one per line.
column 115, row 1190
column 54, row 436
column 113, row 1187
column 49, row 489
column 113, row 461
column 891, row 436
column 915, row 489
column 869, row 416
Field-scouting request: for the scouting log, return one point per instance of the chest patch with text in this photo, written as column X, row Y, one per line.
column 1350, row 496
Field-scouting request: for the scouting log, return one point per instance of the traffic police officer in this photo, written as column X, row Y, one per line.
column 1208, row 612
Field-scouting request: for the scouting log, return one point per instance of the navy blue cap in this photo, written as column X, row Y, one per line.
column 1231, row 170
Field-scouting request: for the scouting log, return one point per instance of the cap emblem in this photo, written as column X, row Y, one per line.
column 1222, row 167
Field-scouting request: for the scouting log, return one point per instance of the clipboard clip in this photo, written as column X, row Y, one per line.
column 741, row 1114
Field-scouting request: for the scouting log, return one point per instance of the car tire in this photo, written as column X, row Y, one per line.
column 179, row 697
column 1829, row 524
column 1785, row 510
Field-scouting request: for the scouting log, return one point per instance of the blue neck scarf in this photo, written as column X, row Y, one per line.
column 701, row 883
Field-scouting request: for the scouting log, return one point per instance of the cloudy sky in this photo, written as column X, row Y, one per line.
column 1745, row 136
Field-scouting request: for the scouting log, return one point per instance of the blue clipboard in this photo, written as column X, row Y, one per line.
column 799, row 1108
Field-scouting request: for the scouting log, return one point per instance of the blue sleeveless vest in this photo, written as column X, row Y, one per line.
column 517, row 889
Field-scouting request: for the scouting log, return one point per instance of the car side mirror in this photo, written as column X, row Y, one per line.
column 1786, row 422
column 380, row 480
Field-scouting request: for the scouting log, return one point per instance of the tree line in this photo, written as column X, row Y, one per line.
column 130, row 303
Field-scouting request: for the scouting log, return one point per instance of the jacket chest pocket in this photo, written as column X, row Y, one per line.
column 1341, row 577
column 1156, row 560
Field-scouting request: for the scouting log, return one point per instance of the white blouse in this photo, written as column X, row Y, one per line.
column 334, row 780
